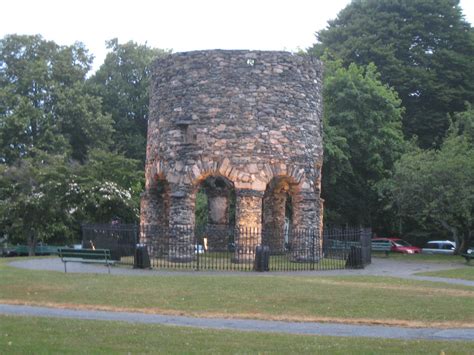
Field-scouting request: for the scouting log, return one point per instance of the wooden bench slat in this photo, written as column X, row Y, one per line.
column 91, row 261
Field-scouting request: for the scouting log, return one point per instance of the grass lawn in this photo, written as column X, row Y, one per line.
column 64, row 336
column 355, row 299
column 466, row 273
column 425, row 258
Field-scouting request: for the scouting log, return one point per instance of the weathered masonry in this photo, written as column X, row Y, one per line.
column 247, row 123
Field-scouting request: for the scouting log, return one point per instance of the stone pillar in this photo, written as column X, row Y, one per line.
column 148, row 207
column 306, row 241
column 274, row 208
column 181, row 224
column 218, row 209
column 248, row 223
column 154, row 218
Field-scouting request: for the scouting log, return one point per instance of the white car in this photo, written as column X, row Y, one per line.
column 439, row 247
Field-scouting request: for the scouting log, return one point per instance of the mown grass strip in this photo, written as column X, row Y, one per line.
column 343, row 298
column 466, row 273
column 423, row 258
column 65, row 336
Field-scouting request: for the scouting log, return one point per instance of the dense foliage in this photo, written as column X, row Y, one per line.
column 362, row 140
column 123, row 82
column 424, row 52
column 424, row 49
column 436, row 186
column 59, row 157
column 43, row 104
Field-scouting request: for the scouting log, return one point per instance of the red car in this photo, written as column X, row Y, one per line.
column 398, row 245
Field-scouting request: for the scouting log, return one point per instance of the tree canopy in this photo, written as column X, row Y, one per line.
column 123, row 84
column 363, row 138
column 60, row 162
column 43, row 104
column 423, row 49
column 48, row 197
column 436, row 186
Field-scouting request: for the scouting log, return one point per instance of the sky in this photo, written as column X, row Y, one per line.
column 179, row 25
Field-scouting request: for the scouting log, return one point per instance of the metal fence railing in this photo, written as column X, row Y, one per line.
column 218, row 248
column 121, row 239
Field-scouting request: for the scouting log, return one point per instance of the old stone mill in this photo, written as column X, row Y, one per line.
column 245, row 127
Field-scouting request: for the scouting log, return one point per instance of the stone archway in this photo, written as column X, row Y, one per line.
column 277, row 215
column 218, row 194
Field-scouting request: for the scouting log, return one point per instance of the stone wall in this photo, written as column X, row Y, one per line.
column 253, row 117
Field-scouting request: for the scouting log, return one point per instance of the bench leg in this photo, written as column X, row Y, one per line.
column 65, row 269
column 108, row 266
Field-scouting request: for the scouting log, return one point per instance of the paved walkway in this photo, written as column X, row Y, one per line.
column 329, row 329
column 379, row 267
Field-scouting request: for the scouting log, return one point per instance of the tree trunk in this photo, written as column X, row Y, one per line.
column 466, row 241
column 32, row 243
column 454, row 233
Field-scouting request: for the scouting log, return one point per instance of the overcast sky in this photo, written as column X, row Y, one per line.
column 180, row 25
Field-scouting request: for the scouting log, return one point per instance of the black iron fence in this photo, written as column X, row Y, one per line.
column 240, row 249
column 121, row 239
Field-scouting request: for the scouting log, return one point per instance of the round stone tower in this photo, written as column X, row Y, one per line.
column 244, row 120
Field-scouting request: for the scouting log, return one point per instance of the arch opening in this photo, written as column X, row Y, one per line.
column 215, row 213
column 278, row 213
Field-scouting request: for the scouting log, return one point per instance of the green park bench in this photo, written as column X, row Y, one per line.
column 384, row 246
column 341, row 245
column 91, row 256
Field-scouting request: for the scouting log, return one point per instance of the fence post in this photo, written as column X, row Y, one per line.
column 312, row 248
column 137, row 234
column 196, row 248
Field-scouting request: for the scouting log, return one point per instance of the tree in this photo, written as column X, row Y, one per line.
column 56, row 170
column 47, row 197
column 123, row 82
column 81, row 121
column 43, row 103
column 423, row 49
column 363, row 139
column 35, row 201
column 109, row 186
column 435, row 187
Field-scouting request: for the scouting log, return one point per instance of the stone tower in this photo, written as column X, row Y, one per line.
column 247, row 121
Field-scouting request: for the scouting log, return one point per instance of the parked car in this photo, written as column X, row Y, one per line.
column 439, row 247
column 398, row 245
